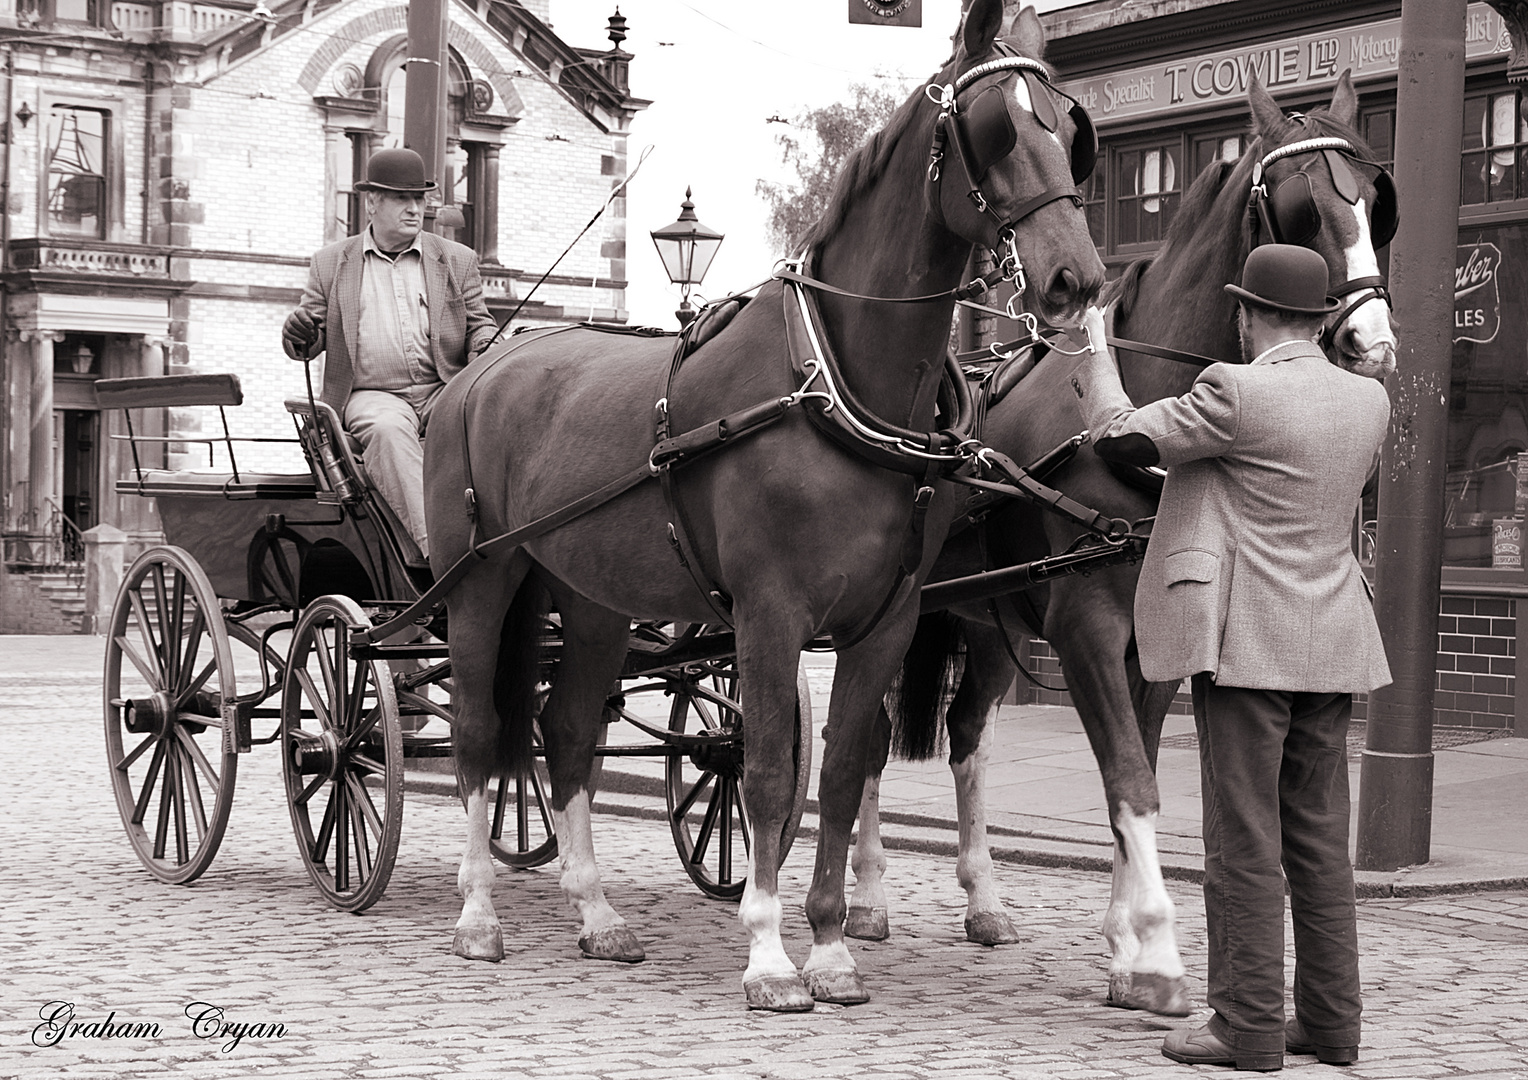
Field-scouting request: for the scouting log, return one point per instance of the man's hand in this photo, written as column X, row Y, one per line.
column 1089, row 332
column 300, row 334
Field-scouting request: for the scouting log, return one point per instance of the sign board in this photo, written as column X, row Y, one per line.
column 1369, row 50
column 887, row 12
column 1506, row 543
column 1477, row 300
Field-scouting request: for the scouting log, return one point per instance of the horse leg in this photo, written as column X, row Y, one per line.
column 594, row 644
column 477, row 621
column 859, row 684
column 769, row 650
column 986, row 678
column 867, row 918
column 1089, row 624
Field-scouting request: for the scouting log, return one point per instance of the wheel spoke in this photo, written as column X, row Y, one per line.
column 150, row 676
column 135, row 753
column 690, row 796
column 307, row 792
column 325, row 829
column 176, row 769
column 708, row 824
column 193, row 645
column 195, row 684
column 724, row 842
column 356, row 702
column 316, row 699
column 367, row 763
column 542, row 802
column 167, row 642
column 363, row 815
column 335, row 712
column 194, row 752
column 193, row 790
column 162, row 821
column 156, row 678
column 141, row 807
column 341, row 838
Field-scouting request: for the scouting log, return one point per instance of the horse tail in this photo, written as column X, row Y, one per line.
column 515, row 696
column 922, row 690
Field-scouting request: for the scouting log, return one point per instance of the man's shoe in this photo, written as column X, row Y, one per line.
column 1203, row 1047
column 1297, row 1042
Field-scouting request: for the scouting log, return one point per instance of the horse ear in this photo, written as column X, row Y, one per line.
column 1344, row 107
column 983, row 20
column 1267, row 118
column 1027, row 33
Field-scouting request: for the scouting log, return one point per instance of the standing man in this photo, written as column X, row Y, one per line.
column 1250, row 587
column 399, row 312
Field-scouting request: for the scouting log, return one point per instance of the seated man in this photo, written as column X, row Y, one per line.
column 399, row 312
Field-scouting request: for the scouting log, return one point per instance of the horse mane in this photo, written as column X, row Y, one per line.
column 863, row 167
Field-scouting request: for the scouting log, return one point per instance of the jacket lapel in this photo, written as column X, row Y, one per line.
column 437, row 285
column 347, row 284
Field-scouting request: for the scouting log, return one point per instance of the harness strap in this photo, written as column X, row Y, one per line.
column 974, row 287
column 1165, row 353
column 1366, row 289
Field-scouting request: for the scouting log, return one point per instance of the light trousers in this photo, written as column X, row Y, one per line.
column 390, row 425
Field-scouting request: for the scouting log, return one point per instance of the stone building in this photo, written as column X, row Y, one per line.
column 167, row 168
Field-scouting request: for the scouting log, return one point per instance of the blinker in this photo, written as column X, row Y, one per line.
column 1040, row 102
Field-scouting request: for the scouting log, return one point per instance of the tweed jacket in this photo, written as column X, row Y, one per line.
column 460, row 325
column 1250, row 573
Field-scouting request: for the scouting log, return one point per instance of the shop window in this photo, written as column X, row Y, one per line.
column 1495, row 150
column 1213, row 148
column 1377, row 128
column 1486, row 492
column 1147, row 181
column 77, row 141
column 1092, row 192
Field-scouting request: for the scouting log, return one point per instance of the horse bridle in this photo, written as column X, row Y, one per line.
column 983, row 133
column 1290, row 215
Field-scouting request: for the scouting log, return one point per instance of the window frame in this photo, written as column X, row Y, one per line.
column 113, row 227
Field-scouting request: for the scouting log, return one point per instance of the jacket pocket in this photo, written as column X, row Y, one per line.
column 1191, row 564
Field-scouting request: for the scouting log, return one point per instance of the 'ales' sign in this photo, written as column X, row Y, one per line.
column 1477, row 302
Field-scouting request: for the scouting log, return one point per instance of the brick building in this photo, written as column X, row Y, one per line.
column 168, row 167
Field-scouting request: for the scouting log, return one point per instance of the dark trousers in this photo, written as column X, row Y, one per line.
column 1273, row 768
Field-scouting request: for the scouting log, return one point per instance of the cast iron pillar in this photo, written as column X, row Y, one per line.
column 424, row 95
column 1395, row 791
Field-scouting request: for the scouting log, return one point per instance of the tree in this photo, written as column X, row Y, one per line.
column 827, row 137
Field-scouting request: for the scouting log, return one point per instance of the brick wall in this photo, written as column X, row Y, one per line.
column 1477, row 667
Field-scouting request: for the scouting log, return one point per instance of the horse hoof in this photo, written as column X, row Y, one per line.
column 868, row 924
column 613, row 943
column 778, row 993
column 479, row 943
column 836, row 986
column 991, row 928
column 1162, row 994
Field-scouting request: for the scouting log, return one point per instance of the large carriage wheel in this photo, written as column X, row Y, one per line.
column 342, row 756
column 172, row 767
column 704, row 787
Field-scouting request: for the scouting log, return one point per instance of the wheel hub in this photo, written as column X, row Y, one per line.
column 151, row 715
column 724, row 754
column 315, row 755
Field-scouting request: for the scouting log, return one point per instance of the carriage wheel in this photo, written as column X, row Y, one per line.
column 704, row 787
column 172, row 768
column 341, row 755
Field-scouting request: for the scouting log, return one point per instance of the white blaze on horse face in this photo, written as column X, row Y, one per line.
column 1024, row 101
column 1368, row 330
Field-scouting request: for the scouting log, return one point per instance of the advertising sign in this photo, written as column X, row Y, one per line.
column 1369, row 50
column 1477, row 300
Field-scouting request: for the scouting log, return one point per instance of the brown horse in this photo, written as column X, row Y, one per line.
column 790, row 534
column 1175, row 300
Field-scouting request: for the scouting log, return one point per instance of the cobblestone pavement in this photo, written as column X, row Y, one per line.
column 379, row 995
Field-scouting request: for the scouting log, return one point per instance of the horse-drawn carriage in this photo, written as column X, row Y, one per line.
column 811, row 525
column 282, row 570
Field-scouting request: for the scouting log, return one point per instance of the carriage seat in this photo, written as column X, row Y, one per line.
column 219, row 483
column 340, row 474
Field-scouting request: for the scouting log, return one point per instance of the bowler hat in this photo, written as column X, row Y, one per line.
column 396, row 170
column 1287, row 278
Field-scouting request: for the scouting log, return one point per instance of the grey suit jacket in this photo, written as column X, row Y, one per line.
column 460, row 325
column 1250, row 573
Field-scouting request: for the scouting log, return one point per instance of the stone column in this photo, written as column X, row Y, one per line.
column 105, row 555
column 488, row 204
column 40, row 435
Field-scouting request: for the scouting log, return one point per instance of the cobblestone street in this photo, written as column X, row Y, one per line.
column 380, row 995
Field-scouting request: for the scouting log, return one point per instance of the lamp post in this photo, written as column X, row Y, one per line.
column 686, row 248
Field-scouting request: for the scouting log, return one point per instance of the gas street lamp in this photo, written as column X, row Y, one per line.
column 686, row 248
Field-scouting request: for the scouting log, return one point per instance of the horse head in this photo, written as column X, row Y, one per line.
column 1316, row 183
column 1009, row 151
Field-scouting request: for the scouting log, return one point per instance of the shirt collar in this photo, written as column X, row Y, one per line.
column 1287, row 350
column 369, row 243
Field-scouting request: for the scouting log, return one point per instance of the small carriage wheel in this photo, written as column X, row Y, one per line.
column 520, row 832
column 341, row 753
column 172, row 766
column 711, row 829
